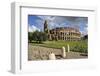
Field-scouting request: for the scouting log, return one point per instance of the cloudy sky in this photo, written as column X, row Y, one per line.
column 36, row 22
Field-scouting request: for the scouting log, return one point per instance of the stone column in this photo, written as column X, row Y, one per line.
column 68, row 48
column 52, row 56
column 64, row 52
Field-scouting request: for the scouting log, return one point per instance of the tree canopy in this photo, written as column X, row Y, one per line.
column 37, row 36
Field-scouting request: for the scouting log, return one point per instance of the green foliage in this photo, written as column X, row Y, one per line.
column 79, row 48
column 39, row 37
column 75, row 46
column 30, row 37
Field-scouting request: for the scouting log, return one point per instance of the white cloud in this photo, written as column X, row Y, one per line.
column 33, row 28
column 53, row 21
column 40, row 24
column 85, row 31
column 49, row 18
column 59, row 21
column 52, row 25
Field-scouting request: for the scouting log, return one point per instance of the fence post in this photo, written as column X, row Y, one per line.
column 52, row 56
column 68, row 48
column 64, row 52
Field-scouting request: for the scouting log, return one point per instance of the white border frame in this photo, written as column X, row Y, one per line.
column 16, row 62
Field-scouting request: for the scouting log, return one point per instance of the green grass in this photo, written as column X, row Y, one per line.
column 77, row 46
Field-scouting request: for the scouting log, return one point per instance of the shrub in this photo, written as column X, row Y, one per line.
column 80, row 46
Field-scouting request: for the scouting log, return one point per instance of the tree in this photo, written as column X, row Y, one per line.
column 39, row 36
column 30, row 37
column 85, row 37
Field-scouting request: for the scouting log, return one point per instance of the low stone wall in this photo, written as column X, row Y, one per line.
column 42, row 53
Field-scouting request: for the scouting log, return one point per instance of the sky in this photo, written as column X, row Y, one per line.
column 36, row 22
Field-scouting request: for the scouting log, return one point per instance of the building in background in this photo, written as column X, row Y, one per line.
column 62, row 33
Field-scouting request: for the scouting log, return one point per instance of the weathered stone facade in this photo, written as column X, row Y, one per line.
column 62, row 33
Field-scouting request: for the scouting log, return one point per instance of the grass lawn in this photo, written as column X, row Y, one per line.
column 78, row 46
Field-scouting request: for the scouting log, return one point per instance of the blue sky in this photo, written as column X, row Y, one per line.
column 36, row 22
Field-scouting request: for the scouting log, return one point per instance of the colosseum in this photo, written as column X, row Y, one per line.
column 62, row 33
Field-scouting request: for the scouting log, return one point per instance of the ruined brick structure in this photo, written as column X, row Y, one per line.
column 62, row 33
